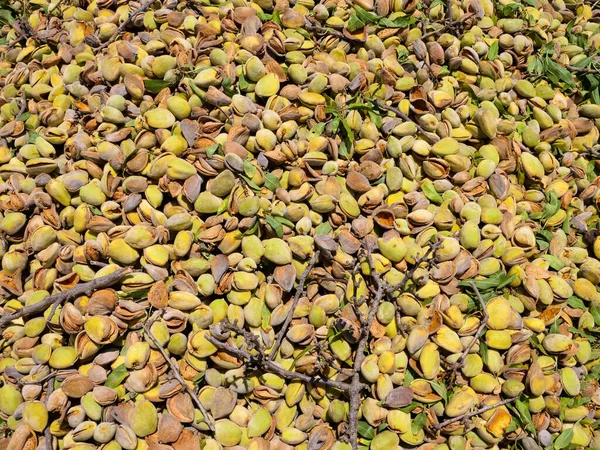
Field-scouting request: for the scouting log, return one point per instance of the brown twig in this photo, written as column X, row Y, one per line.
column 299, row 292
column 272, row 367
column 482, row 325
column 80, row 289
column 465, row 416
column 177, row 374
column 143, row 7
column 23, row 105
column 448, row 25
column 583, row 69
column 355, row 385
column 431, row 138
column 418, row 261
column 49, row 390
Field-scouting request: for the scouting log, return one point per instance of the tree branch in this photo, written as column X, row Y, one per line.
column 80, row 289
column 431, row 138
column 410, row 272
column 177, row 374
column 143, row 7
column 465, row 416
column 449, row 25
column 583, row 69
column 482, row 325
column 355, row 385
column 299, row 291
column 272, row 367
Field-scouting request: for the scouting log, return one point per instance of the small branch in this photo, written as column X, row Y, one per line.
column 80, row 289
column 272, row 367
column 448, row 26
column 431, row 138
column 583, row 69
column 418, row 261
column 177, row 374
column 143, row 7
column 465, row 416
column 23, row 107
column 355, row 385
column 299, row 291
column 49, row 390
column 482, row 325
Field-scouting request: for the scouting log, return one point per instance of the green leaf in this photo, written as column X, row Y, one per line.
column 366, row 430
column 496, row 281
column 318, row 129
column 116, row 377
column 582, row 333
column 23, row 117
column 265, row 17
column 211, row 150
column 277, row 227
column 575, row 302
column 375, row 118
column 525, row 415
column 323, row 228
column 266, row 317
column 243, row 83
column 6, row 16
column 555, row 262
column 595, row 312
column 398, row 22
column 366, row 16
column 284, row 221
column 441, row 389
column 419, row 422
column 250, row 183
column 430, row 192
column 198, row 378
column 354, row 23
column 249, row 168
column 558, row 73
column 564, row 439
column 155, row 86
column 493, row 51
column 271, row 181
column 335, row 124
column 483, row 350
column 300, row 355
column 224, row 205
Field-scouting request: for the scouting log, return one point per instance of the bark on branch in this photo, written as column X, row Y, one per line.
column 177, row 374
column 482, row 325
column 299, row 291
column 74, row 292
column 431, row 138
column 272, row 367
column 465, row 416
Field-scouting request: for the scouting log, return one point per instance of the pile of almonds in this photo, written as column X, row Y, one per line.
column 283, row 224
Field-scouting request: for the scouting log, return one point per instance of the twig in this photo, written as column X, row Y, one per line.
column 49, row 390
column 24, row 105
column 439, row 426
column 80, row 289
column 272, row 367
column 431, row 138
column 143, row 7
column 418, row 261
column 447, row 26
column 177, row 375
column 583, row 69
column 482, row 325
column 355, row 385
column 299, row 291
